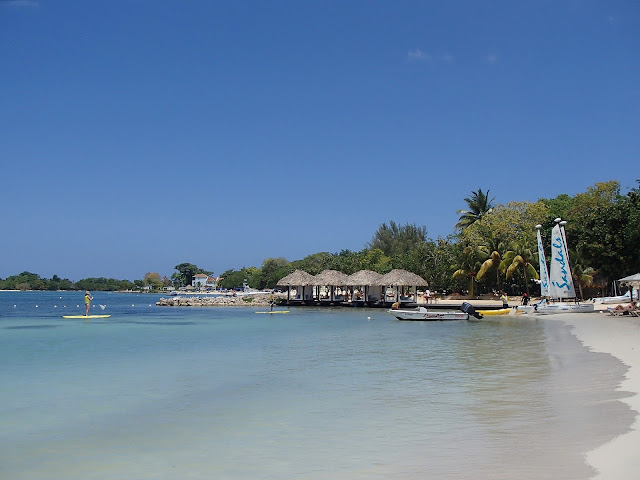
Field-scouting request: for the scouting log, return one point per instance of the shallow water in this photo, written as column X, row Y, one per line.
column 201, row 393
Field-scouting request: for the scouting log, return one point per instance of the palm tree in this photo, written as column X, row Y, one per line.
column 479, row 205
column 470, row 264
column 493, row 262
column 582, row 276
column 519, row 257
column 495, row 249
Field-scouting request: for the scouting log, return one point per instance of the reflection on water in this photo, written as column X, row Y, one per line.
column 21, row 327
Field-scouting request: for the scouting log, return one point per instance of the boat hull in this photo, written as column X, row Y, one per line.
column 424, row 315
column 555, row 308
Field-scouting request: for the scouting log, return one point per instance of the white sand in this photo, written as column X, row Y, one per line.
column 619, row 336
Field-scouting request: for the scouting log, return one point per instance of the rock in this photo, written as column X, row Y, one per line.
column 223, row 301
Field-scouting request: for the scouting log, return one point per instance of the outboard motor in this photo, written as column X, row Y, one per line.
column 466, row 307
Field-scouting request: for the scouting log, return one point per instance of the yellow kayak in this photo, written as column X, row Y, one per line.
column 500, row 311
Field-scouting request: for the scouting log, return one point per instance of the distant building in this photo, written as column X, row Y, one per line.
column 212, row 282
column 199, row 280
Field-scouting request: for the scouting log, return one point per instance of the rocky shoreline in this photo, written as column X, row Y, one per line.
column 224, row 301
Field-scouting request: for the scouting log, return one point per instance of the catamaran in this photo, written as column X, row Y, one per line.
column 558, row 285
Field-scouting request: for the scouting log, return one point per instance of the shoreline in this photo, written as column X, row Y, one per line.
column 618, row 336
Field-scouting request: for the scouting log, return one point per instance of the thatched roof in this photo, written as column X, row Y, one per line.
column 364, row 277
column 332, row 278
column 298, row 278
column 402, row 278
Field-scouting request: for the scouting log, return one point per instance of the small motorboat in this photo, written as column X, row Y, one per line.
column 424, row 314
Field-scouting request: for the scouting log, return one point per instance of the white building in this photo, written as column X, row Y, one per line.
column 199, row 280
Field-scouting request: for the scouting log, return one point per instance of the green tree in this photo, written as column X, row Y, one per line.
column 315, row 263
column 185, row 273
column 154, row 280
column 582, row 276
column 104, row 284
column 375, row 260
column 491, row 263
column 479, row 205
column 509, row 223
column 470, row 263
column 520, row 257
column 440, row 264
column 236, row 278
column 272, row 270
column 394, row 239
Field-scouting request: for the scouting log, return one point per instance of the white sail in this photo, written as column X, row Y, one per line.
column 561, row 281
column 544, row 273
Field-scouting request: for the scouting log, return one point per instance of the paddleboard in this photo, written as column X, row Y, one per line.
column 277, row 311
column 86, row 316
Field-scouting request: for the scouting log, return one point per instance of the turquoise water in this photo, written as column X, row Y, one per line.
column 223, row 393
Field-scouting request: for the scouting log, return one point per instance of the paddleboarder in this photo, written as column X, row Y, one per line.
column 87, row 302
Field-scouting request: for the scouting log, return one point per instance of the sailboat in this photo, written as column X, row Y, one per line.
column 559, row 282
column 544, row 276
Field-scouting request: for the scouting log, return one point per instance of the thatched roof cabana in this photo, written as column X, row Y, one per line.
column 331, row 278
column 364, row 277
column 402, row 278
column 298, row 278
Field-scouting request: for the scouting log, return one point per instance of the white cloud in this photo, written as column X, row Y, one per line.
column 492, row 58
column 419, row 55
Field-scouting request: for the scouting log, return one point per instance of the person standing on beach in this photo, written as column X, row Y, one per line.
column 87, row 303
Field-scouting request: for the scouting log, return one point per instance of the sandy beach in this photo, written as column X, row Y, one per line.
column 618, row 336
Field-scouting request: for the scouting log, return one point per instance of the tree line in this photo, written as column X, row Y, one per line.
column 33, row 281
column 493, row 248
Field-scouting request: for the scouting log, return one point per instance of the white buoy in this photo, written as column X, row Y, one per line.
column 368, row 318
column 36, row 306
column 55, row 306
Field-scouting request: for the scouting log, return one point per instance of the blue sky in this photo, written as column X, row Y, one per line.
column 140, row 134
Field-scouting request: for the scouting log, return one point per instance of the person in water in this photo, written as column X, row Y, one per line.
column 505, row 300
column 87, row 303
